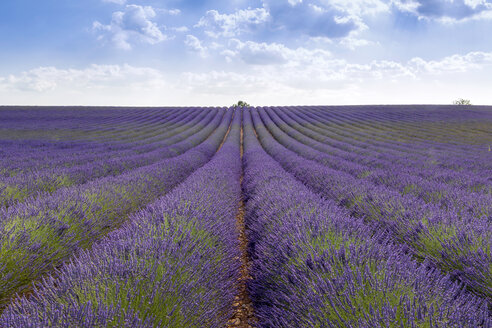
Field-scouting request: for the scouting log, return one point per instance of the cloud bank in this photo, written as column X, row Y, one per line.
column 293, row 74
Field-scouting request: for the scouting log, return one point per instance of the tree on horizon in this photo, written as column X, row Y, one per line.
column 241, row 103
column 462, row 101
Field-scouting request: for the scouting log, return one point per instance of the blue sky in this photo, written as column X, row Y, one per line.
column 266, row 52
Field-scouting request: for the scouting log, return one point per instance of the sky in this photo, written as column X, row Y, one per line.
column 264, row 52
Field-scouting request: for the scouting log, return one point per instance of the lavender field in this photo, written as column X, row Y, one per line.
column 315, row 216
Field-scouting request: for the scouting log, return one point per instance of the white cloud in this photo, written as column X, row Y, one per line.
column 453, row 64
column 172, row 12
column 294, row 3
column 315, row 18
column 95, row 76
column 336, row 81
column 119, row 2
column 446, row 11
column 302, row 76
column 320, row 18
column 256, row 53
column 273, row 54
column 316, row 69
column 181, row 29
column 195, row 45
column 223, row 83
column 360, row 7
column 134, row 24
column 113, row 85
column 475, row 3
column 353, row 43
column 40, row 80
column 406, row 6
column 229, row 25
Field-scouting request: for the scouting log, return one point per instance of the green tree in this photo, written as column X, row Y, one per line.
column 462, row 101
column 241, row 103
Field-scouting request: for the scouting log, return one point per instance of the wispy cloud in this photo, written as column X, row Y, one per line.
column 255, row 53
column 195, row 45
column 216, row 24
column 453, row 64
column 50, row 78
column 172, row 12
column 118, row 2
column 134, row 24
column 93, row 85
column 315, row 18
column 445, row 10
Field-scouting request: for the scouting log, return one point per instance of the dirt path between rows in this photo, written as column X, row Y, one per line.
column 243, row 316
column 227, row 133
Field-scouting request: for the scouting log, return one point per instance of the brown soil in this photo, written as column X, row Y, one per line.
column 227, row 133
column 243, row 316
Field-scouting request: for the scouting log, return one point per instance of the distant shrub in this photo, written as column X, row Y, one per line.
column 241, row 103
column 462, row 101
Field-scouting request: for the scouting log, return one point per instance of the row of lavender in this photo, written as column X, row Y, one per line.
column 456, row 238
column 49, row 149
column 420, row 160
column 90, row 166
column 319, row 264
column 413, row 123
column 405, row 179
column 174, row 264
column 40, row 234
column 18, row 155
column 43, row 130
column 381, row 166
column 81, row 123
column 374, row 138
